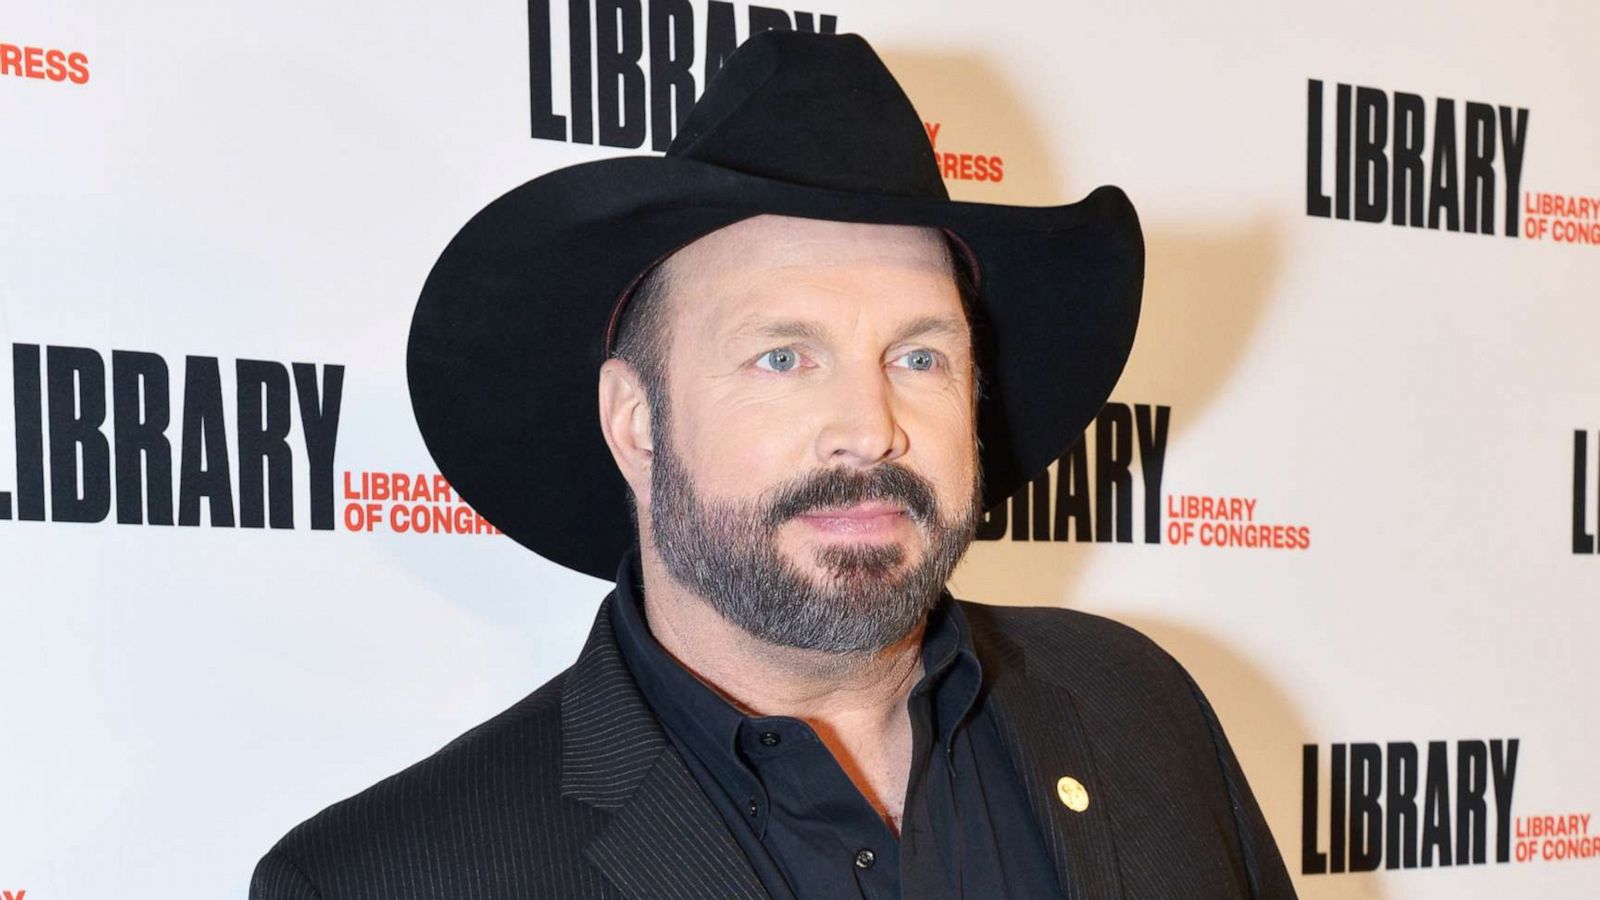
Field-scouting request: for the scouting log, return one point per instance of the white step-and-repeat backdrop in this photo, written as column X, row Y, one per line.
column 1349, row 477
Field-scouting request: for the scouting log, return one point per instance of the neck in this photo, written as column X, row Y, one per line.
column 855, row 702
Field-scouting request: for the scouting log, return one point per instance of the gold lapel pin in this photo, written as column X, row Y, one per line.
column 1072, row 793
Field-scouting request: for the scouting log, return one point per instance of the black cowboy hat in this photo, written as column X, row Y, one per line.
column 513, row 322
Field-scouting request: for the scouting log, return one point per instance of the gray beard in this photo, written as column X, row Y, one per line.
column 727, row 553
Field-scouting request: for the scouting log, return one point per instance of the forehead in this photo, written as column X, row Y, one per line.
column 770, row 241
column 755, row 263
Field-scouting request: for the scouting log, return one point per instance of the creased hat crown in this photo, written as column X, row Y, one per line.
column 814, row 110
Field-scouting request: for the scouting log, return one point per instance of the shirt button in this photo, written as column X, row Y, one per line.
column 754, row 807
column 770, row 738
column 865, row 858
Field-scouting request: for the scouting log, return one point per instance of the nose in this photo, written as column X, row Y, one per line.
column 860, row 427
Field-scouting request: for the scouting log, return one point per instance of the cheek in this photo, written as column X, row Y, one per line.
column 959, row 471
column 738, row 447
column 943, row 447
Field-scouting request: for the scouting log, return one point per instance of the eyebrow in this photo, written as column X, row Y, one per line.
column 926, row 326
column 799, row 329
column 784, row 330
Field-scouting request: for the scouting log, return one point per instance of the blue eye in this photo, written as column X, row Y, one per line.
column 780, row 360
column 920, row 360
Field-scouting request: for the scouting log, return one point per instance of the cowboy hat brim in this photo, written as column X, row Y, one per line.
column 510, row 330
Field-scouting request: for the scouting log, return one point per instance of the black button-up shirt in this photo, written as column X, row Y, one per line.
column 966, row 829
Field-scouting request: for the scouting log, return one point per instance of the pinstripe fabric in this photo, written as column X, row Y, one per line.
column 574, row 792
column 611, row 739
column 1170, row 813
column 665, row 845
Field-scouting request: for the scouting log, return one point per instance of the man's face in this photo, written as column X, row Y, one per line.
column 816, row 473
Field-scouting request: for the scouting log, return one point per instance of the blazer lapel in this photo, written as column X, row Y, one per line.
column 1043, row 731
column 664, row 839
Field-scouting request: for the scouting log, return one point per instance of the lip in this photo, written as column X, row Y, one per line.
column 864, row 520
column 860, row 511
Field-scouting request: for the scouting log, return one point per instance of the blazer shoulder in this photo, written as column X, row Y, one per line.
column 1056, row 638
column 1095, row 658
column 501, row 777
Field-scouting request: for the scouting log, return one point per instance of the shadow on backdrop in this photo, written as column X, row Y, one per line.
column 978, row 114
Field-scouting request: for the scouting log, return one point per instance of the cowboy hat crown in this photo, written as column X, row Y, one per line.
column 843, row 124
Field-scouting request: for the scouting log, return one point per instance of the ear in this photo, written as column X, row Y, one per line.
column 625, row 422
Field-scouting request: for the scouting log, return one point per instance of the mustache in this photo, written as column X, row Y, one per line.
column 831, row 488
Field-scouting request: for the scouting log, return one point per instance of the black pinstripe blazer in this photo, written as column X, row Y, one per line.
column 575, row 792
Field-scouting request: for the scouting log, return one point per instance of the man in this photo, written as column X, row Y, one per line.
column 814, row 373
